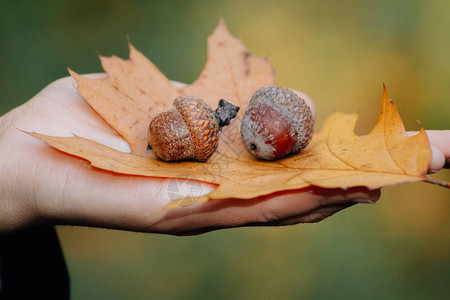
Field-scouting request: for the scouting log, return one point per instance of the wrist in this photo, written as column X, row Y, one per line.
column 16, row 211
column 12, row 216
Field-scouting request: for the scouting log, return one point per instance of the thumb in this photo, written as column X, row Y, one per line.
column 440, row 148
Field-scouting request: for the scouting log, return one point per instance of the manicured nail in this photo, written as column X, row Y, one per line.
column 364, row 201
column 433, row 171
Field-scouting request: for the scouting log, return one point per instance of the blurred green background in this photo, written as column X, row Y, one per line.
column 340, row 53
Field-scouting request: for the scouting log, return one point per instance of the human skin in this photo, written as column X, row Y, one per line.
column 40, row 185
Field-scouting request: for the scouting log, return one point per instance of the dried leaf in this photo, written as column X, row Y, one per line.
column 136, row 90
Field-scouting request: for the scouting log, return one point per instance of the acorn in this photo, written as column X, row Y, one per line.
column 276, row 123
column 189, row 130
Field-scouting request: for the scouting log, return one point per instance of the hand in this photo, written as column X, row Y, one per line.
column 41, row 185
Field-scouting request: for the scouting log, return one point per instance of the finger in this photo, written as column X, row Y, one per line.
column 327, row 210
column 264, row 210
column 314, row 216
column 441, row 140
column 437, row 160
column 440, row 148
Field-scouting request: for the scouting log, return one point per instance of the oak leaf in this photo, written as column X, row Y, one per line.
column 135, row 91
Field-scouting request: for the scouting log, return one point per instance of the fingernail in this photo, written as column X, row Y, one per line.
column 433, row 171
column 364, row 201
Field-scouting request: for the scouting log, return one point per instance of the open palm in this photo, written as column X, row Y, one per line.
column 40, row 185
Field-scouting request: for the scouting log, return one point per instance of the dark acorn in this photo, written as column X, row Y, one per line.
column 276, row 123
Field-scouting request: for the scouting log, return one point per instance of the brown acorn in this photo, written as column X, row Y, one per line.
column 189, row 129
column 276, row 123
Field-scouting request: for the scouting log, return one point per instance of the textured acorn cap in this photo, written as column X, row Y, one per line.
column 201, row 124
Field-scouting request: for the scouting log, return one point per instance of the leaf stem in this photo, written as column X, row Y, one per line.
column 437, row 181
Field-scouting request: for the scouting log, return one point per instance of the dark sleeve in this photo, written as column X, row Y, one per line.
column 32, row 265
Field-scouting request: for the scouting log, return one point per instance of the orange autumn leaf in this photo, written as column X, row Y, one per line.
column 135, row 91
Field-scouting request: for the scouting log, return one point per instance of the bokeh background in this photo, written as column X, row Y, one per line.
column 340, row 53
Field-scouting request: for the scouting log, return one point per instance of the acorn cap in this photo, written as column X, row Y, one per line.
column 201, row 123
